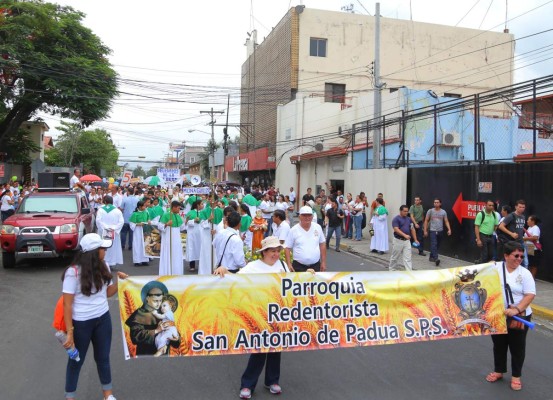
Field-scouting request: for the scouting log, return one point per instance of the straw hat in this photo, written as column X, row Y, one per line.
column 270, row 242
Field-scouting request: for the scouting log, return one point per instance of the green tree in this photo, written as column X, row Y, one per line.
column 93, row 149
column 152, row 171
column 51, row 63
column 209, row 149
column 138, row 171
column 20, row 146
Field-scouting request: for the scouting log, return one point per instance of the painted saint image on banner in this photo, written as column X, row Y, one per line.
column 152, row 326
column 152, row 241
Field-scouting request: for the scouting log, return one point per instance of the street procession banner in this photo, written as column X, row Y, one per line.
column 248, row 313
column 195, row 190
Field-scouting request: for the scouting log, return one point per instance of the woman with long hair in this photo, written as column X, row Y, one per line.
column 87, row 284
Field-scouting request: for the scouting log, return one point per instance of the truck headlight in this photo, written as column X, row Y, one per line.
column 68, row 228
column 9, row 230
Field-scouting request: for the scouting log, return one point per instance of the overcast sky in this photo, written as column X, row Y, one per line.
column 201, row 43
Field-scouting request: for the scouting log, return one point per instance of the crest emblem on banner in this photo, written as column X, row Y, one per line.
column 470, row 297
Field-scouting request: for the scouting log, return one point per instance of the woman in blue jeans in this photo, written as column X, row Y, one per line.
column 357, row 213
column 87, row 284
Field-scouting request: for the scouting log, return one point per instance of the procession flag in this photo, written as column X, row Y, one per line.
column 248, row 313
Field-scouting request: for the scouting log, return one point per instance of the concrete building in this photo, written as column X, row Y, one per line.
column 322, row 60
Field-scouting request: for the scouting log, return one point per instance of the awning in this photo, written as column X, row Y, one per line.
column 334, row 151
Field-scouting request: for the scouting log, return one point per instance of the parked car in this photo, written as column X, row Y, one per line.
column 46, row 224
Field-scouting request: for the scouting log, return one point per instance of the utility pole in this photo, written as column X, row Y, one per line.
column 212, row 150
column 378, row 88
column 225, row 137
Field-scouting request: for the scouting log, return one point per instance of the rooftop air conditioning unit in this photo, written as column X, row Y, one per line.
column 452, row 139
column 344, row 129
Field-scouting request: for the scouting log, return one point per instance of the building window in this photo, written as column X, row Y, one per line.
column 453, row 95
column 317, row 47
column 192, row 160
column 335, row 93
column 288, row 134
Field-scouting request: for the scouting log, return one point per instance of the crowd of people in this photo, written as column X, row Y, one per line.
column 245, row 230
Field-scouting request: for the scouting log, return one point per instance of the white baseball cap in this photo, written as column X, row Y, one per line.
column 306, row 210
column 93, row 241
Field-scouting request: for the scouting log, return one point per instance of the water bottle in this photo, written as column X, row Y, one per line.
column 72, row 352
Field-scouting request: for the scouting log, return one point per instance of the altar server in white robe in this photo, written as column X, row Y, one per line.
column 138, row 219
column 110, row 218
column 171, row 224
column 193, row 238
column 211, row 222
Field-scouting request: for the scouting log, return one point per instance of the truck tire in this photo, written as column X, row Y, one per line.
column 8, row 260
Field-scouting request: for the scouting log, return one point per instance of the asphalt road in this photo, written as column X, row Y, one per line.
column 33, row 363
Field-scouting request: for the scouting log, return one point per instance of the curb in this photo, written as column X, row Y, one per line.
column 542, row 312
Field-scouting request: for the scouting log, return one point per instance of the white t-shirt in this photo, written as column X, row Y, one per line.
column 281, row 231
column 281, row 206
column 534, row 231
column 259, row 267
column 74, row 180
column 5, row 203
column 265, row 206
column 292, row 196
column 85, row 307
column 520, row 281
column 305, row 244
column 117, row 200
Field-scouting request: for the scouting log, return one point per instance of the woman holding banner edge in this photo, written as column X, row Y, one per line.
column 269, row 263
column 519, row 292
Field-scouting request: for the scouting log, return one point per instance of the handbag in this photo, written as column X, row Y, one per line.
column 511, row 322
column 58, row 323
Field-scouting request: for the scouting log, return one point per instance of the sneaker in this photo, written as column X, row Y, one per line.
column 274, row 389
column 337, row 250
column 437, row 263
column 422, row 253
column 431, row 259
column 110, row 397
column 245, row 393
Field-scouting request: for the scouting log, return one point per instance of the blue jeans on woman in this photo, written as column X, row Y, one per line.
column 349, row 227
column 257, row 361
column 97, row 331
column 357, row 221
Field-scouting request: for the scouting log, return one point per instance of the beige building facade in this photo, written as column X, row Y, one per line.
column 322, row 61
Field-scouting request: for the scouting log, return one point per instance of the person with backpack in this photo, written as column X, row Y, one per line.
column 485, row 224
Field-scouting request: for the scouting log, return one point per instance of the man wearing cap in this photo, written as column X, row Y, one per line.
column 109, row 221
column 307, row 242
column 143, row 324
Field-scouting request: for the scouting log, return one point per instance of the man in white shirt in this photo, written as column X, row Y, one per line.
column 117, row 198
column 229, row 248
column 75, row 181
column 292, row 196
column 267, row 213
column 307, row 242
column 281, row 227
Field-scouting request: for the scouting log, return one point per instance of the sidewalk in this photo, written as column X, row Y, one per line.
column 542, row 305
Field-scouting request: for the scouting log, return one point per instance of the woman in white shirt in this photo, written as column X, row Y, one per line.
column 269, row 263
column 87, row 284
column 282, row 205
column 519, row 290
column 532, row 243
column 7, row 202
column 357, row 212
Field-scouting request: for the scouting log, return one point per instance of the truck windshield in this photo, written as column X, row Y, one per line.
column 42, row 204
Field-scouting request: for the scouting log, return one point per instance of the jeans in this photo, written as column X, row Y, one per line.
column 271, row 361
column 7, row 214
column 97, row 331
column 420, row 236
column 435, row 240
column 486, row 251
column 331, row 230
column 126, row 229
column 349, row 226
column 515, row 342
column 357, row 220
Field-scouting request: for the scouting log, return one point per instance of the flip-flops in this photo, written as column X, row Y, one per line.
column 516, row 385
column 494, row 377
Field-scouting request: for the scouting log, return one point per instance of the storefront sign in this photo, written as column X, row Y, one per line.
column 241, row 164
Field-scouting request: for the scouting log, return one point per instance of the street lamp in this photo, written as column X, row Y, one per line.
column 211, row 151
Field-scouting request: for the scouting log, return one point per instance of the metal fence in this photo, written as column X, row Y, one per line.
column 511, row 124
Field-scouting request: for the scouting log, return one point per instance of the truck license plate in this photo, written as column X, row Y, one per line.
column 35, row 249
